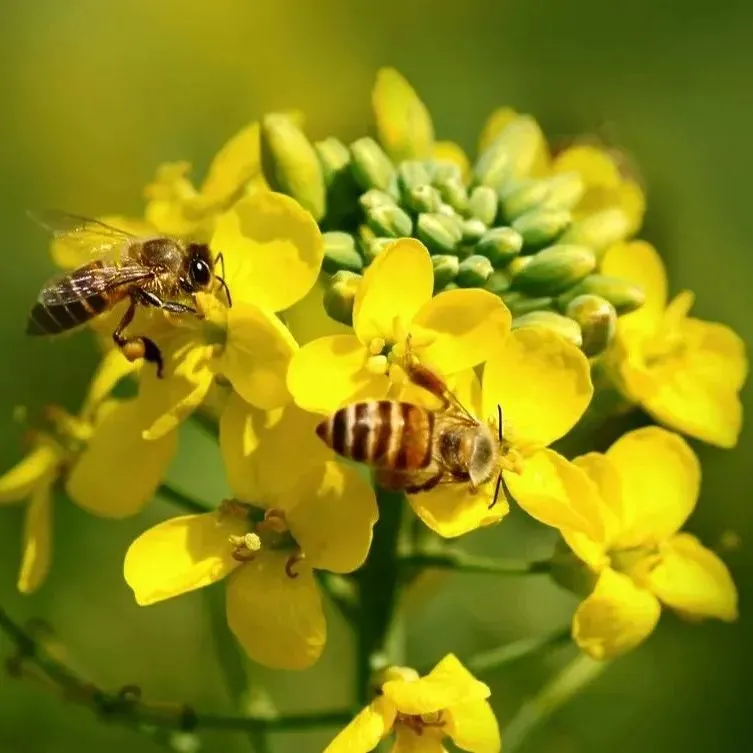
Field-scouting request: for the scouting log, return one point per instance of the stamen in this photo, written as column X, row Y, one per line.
column 376, row 346
column 377, row 365
column 274, row 521
column 245, row 547
column 291, row 562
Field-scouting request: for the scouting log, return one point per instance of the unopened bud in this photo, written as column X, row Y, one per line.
column 483, row 204
column 597, row 320
column 445, row 270
column 498, row 282
column 424, row 198
column 520, row 303
column 374, row 247
column 439, row 232
column 474, row 271
column 441, row 171
column 560, row 325
column 518, row 264
column 340, row 295
column 561, row 191
column 334, row 157
column 410, row 175
column 473, row 230
column 341, row 186
column 541, row 226
column 500, row 245
column 512, row 154
column 340, row 253
column 375, row 197
column 390, row 221
column 447, row 211
column 555, row 269
column 371, row 166
column 600, row 229
column 291, row 164
column 623, row 295
column 454, row 193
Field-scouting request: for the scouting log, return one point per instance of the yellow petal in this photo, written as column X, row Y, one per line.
column 307, row 320
column 558, row 493
column 331, row 515
column 403, row 123
column 395, row 286
column 37, row 540
column 660, row 477
column 632, row 200
column 594, row 165
column 23, row 478
column 277, row 619
column 453, row 510
column 447, row 685
column 715, row 353
column 409, row 741
column 449, row 151
column 694, row 580
column 616, row 617
column 331, row 371
column 181, row 555
column 463, row 326
column 368, row 727
column 119, row 471
column 639, row 263
column 113, row 367
column 542, row 382
column 234, row 165
column 603, row 473
column 473, row 726
column 272, row 248
column 256, row 356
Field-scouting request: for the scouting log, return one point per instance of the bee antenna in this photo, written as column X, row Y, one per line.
column 222, row 282
column 496, row 490
column 499, row 425
column 221, row 261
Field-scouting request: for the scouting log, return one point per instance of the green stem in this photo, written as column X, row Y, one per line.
column 342, row 592
column 575, row 676
column 175, row 496
column 501, row 656
column 469, row 563
column 378, row 581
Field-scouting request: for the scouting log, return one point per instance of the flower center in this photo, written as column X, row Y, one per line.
column 634, row 561
column 420, row 724
column 268, row 530
column 663, row 347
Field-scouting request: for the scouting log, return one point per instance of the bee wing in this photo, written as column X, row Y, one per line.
column 90, row 280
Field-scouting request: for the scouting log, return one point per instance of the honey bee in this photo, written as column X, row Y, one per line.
column 414, row 449
column 160, row 272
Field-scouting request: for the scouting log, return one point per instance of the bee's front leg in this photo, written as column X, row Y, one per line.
column 137, row 347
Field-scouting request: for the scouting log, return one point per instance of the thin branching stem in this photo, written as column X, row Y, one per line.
column 451, row 559
column 501, row 656
column 170, row 494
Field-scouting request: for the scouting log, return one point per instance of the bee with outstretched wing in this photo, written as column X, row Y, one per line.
column 161, row 272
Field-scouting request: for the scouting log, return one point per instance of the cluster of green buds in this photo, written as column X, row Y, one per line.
column 496, row 228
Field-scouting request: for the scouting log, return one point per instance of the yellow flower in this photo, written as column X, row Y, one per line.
column 683, row 371
column 450, row 332
column 273, row 252
column 496, row 123
column 648, row 482
column 295, row 518
column 99, row 456
column 422, row 712
column 541, row 384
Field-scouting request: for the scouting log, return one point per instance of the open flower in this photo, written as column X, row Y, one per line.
column 99, row 457
column 450, row 332
column 648, row 483
column 684, row 372
column 288, row 520
column 541, row 385
column 422, row 712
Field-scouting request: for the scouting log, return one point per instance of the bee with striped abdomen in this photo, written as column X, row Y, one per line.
column 159, row 271
column 413, row 448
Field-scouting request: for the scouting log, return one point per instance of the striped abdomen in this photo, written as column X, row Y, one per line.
column 382, row 433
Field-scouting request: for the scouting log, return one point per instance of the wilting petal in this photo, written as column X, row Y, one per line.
column 308, row 320
column 234, row 165
column 181, row 555
column 256, row 356
column 37, row 540
column 616, row 617
column 693, row 580
column 556, row 492
column 119, row 471
column 331, row 514
column 277, row 619
column 473, row 726
column 331, row 371
column 272, row 248
column 447, row 685
column 395, row 286
column 453, row 509
column 660, row 477
column 23, row 478
column 464, row 328
column 369, row 726
column 543, row 384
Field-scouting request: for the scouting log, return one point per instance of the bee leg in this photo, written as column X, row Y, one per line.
column 174, row 307
column 134, row 348
column 424, row 377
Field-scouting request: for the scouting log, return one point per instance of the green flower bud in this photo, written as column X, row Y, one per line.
column 597, row 320
column 561, row 325
column 561, row 191
column 473, row 230
column 454, row 193
column 410, row 175
column 338, row 179
column 541, row 226
column 334, row 157
column 291, row 165
column 517, row 264
column 483, row 204
column 512, row 154
column 447, row 211
column 365, row 235
column 340, row 253
column 441, row 171
column 424, row 198
column 445, row 269
column 565, row 190
column 520, row 303
column 391, row 221
column 375, row 198
column 623, row 295
column 500, row 245
column 371, row 166
column 451, row 286
column 555, row 269
column 474, row 271
column 498, row 282
column 375, row 247
column 440, row 233
column 340, row 295
column 599, row 230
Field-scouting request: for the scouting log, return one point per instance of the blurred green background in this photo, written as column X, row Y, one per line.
column 95, row 95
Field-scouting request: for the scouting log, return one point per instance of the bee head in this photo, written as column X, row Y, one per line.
column 200, row 267
column 483, row 463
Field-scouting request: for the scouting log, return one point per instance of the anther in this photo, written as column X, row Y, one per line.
column 245, row 547
column 376, row 346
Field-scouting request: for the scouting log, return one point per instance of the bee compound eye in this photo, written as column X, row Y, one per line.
column 200, row 272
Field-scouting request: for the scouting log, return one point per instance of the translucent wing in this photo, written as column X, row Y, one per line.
column 99, row 277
